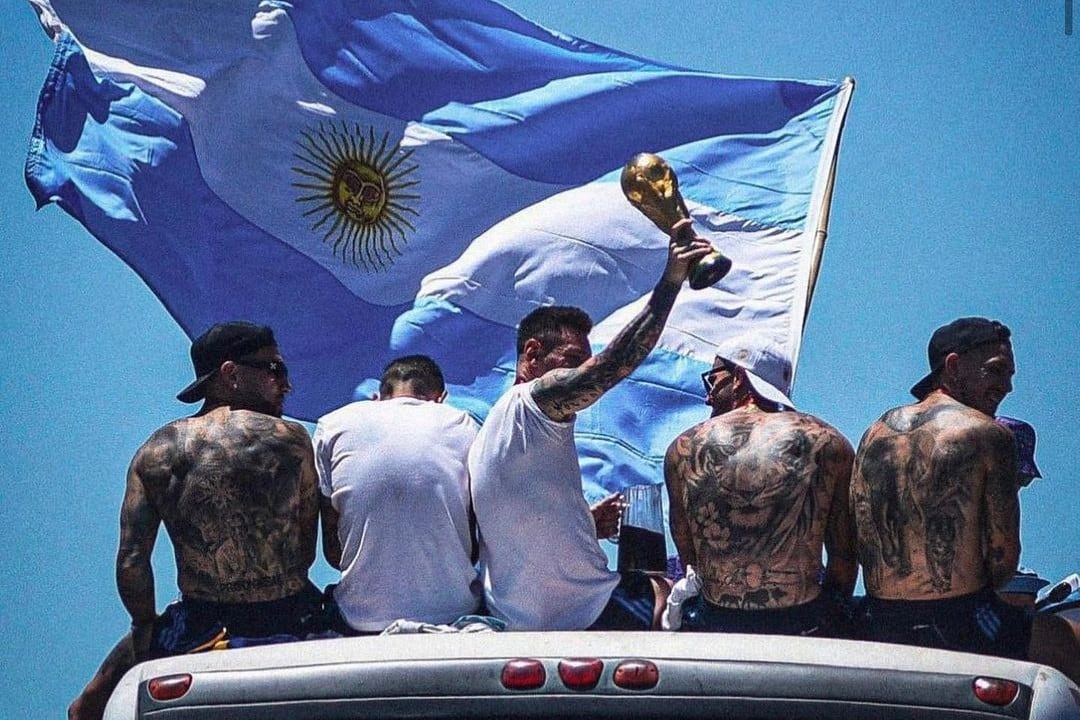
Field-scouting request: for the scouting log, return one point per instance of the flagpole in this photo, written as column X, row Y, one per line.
column 821, row 232
column 818, row 218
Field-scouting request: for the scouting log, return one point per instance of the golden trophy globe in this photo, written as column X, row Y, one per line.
column 651, row 186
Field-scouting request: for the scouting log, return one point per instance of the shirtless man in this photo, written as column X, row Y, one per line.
column 235, row 486
column 935, row 495
column 543, row 567
column 755, row 493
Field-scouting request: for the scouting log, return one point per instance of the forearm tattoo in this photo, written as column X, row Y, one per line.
column 562, row 393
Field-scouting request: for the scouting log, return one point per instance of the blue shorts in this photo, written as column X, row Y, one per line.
column 190, row 624
column 979, row 623
column 631, row 605
column 824, row 616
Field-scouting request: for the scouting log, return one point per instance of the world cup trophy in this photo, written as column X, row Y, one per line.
column 651, row 186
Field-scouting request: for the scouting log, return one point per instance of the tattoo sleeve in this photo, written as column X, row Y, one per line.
column 139, row 522
column 841, row 571
column 1001, row 504
column 562, row 393
column 677, row 520
column 309, row 493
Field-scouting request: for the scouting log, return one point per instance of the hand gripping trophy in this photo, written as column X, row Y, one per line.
column 650, row 185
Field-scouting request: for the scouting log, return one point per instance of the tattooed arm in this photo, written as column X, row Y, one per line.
column 309, row 493
column 675, row 466
column 841, row 569
column 1001, row 507
column 139, row 522
column 563, row 392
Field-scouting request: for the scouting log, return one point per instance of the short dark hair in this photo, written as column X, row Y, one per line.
column 420, row 371
column 547, row 324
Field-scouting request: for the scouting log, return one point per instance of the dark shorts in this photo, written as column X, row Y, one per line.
column 824, row 616
column 189, row 624
column 631, row 604
column 979, row 623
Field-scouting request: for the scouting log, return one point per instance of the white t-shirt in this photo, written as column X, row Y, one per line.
column 543, row 567
column 395, row 471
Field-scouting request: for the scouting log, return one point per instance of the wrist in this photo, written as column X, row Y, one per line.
column 141, row 623
column 663, row 295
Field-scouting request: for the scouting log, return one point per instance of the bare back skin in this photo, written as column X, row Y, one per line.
column 236, row 491
column 754, row 497
column 936, row 502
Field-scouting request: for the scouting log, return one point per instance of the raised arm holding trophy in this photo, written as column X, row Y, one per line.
column 651, row 186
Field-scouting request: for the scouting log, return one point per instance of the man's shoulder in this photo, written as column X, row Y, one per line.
column 362, row 411
column 229, row 426
column 253, row 420
column 517, row 394
column 946, row 422
column 930, row 415
column 813, row 425
column 163, row 445
column 803, row 419
column 346, row 412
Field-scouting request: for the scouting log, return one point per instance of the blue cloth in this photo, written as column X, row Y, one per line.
column 632, row 604
column 189, row 623
column 380, row 178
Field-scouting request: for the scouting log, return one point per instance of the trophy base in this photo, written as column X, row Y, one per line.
column 709, row 271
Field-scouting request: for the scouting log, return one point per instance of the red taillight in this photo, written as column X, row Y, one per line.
column 636, row 675
column 523, row 674
column 169, row 687
column 994, row 691
column 580, row 674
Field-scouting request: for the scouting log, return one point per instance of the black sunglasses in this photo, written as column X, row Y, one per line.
column 708, row 378
column 274, row 367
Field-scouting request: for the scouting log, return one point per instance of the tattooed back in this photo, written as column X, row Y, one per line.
column 935, row 499
column 753, row 497
column 236, row 491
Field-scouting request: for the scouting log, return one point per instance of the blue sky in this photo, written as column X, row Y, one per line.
column 956, row 195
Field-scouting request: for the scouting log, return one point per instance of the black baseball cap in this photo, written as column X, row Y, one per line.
column 224, row 341
column 957, row 337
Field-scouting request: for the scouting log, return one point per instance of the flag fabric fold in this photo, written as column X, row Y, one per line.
column 380, row 178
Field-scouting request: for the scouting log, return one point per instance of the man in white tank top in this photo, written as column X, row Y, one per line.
column 395, row 498
column 543, row 568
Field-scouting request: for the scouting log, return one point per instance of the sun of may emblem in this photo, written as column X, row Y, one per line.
column 357, row 192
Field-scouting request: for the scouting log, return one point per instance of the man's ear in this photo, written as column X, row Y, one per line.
column 951, row 366
column 441, row 397
column 227, row 371
column 533, row 350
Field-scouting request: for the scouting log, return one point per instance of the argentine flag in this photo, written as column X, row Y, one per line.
column 381, row 177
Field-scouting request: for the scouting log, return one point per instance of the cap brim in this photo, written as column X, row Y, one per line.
column 767, row 390
column 922, row 388
column 195, row 391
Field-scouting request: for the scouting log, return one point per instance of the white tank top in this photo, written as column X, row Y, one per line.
column 543, row 567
